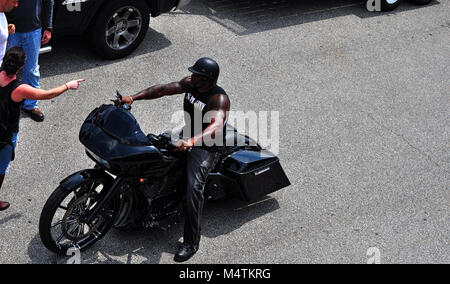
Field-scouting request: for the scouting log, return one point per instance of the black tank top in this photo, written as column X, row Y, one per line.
column 10, row 114
column 195, row 108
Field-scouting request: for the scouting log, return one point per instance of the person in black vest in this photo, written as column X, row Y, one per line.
column 13, row 93
column 204, row 100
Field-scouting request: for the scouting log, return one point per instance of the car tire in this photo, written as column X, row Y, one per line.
column 389, row 5
column 420, row 2
column 119, row 28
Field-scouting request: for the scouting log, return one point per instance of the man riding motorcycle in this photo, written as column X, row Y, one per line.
column 204, row 101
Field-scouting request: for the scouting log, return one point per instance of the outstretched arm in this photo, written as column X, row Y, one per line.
column 159, row 91
column 27, row 92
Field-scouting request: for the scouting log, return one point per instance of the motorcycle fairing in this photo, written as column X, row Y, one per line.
column 119, row 124
column 114, row 135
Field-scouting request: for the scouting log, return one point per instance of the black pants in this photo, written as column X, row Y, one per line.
column 199, row 164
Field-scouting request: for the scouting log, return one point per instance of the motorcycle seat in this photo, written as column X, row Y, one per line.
column 232, row 137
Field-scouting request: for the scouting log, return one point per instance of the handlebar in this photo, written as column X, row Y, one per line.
column 164, row 141
column 118, row 102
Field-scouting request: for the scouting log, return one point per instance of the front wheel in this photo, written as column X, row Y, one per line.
column 61, row 224
column 119, row 28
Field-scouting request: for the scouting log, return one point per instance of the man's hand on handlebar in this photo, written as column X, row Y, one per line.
column 183, row 145
column 124, row 100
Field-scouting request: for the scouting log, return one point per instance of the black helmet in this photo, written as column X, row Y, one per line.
column 206, row 67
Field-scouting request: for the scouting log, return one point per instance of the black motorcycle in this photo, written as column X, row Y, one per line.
column 139, row 181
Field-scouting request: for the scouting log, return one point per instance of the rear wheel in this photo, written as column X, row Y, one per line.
column 119, row 28
column 61, row 224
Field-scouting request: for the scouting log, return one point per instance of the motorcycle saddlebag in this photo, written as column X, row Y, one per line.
column 257, row 173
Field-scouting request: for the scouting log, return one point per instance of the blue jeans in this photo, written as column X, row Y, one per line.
column 31, row 43
column 5, row 155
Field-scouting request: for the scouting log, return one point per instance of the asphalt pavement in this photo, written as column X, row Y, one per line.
column 363, row 101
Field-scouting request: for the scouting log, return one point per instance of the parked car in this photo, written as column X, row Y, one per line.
column 115, row 27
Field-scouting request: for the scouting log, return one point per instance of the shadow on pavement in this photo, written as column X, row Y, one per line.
column 245, row 17
column 148, row 246
column 73, row 54
column 9, row 218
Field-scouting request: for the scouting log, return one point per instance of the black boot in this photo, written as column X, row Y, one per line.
column 185, row 252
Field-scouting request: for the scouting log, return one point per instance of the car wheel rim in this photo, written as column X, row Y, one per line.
column 123, row 28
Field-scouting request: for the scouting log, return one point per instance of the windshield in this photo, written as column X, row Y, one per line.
column 121, row 125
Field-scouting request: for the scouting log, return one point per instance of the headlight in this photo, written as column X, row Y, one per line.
column 98, row 159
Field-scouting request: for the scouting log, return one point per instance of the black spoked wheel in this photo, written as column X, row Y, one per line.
column 62, row 224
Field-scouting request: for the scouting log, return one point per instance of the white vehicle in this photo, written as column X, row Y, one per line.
column 389, row 5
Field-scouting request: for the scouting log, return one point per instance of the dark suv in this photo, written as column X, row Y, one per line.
column 115, row 27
